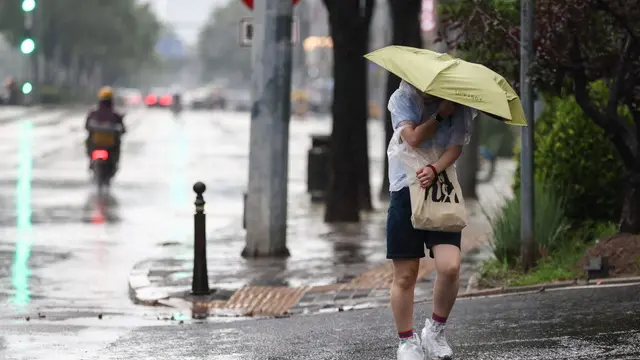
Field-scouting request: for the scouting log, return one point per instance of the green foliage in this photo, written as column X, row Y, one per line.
column 221, row 52
column 574, row 157
column 576, row 43
column 489, row 31
column 562, row 264
column 556, row 267
column 119, row 35
column 550, row 225
column 60, row 95
column 53, row 95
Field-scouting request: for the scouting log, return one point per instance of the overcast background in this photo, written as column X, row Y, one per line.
column 186, row 16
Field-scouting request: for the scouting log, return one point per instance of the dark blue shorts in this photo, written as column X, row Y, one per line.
column 405, row 242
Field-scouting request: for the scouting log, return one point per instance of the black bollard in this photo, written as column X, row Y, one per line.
column 200, row 280
column 244, row 211
column 318, row 167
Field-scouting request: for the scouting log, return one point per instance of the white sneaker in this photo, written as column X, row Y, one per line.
column 411, row 349
column 434, row 342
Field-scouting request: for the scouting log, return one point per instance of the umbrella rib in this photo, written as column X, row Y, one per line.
column 454, row 62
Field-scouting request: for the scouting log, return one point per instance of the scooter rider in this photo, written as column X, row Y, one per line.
column 176, row 104
column 105, row 116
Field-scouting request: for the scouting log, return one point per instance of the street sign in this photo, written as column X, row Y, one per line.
column 246, row 31
column 249, row 3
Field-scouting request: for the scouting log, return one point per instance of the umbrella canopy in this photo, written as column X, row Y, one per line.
column 453, row 79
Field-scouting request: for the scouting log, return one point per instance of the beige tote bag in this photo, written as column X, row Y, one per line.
column 440, row 207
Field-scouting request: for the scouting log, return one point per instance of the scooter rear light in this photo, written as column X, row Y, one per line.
column 99, row 155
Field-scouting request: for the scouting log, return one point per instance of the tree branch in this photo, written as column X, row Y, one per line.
column 619, row 19
column 616, row 87
column 613, row 126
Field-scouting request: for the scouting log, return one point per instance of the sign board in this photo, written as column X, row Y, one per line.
column 249, row 3
column 246, row 31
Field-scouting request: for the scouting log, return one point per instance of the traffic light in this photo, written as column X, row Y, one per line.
column 28, row 46
column 27, row 88
column 28, row 5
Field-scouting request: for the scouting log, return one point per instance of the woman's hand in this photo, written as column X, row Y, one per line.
column 426, row 176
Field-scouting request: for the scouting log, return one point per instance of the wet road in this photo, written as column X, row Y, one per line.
column 580, row 324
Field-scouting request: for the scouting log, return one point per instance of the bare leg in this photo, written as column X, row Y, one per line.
column 405, row 274
column 445, row 290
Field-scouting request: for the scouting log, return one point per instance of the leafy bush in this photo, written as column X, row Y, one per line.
column 574, row 157
column 549, row 226
column 562, row 264
column 55, row 95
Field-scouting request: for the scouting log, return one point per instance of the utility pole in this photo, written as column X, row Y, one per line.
column 527, row 58
column 266, row 206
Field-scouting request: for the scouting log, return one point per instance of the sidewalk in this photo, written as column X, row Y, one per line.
column 332, row 268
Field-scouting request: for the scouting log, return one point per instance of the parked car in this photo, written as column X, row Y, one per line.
column 238, row 100
column 128, row 97
column 209, row 98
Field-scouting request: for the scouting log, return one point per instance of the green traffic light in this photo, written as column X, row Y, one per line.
column 27, row 88
column 27, row 46
column 28, row 5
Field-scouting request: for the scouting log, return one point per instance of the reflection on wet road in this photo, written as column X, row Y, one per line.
column 66, row 253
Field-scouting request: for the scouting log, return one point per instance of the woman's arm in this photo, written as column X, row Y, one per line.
column 448, row 158
column 416, row 135
column 458, row 136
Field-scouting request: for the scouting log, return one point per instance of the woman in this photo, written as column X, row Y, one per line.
column 430, row 123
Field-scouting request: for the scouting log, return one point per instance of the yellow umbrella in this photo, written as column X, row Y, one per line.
column 453, row 79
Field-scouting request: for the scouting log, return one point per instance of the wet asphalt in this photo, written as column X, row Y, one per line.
column 65, row 257
column 579, row 324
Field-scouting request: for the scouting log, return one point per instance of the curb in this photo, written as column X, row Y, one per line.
column 368, row 290
column 560, row 285
column 143, row 293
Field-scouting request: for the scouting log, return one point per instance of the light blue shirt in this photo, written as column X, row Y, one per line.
column 406, row 105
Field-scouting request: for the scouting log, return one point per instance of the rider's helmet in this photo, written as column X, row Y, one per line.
column 105, row 94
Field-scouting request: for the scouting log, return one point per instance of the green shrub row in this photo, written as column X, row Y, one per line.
column 578, row 181
column 574, row 157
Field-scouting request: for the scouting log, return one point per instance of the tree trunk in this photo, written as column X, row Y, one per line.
column 405, row 20
column 348, row 150
column 630, row 215
column 364, row 182
column 468, row 163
